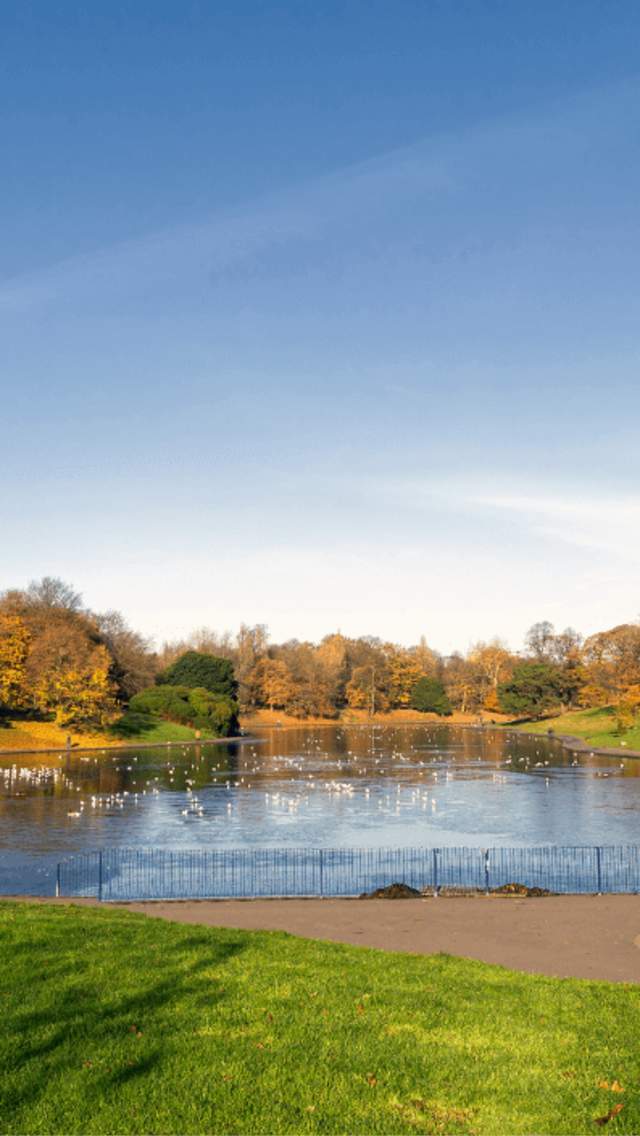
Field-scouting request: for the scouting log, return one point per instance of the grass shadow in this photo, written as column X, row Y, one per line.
column 105, row 1017
column 132, row 724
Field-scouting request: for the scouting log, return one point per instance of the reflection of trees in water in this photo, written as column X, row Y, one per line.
column 329, row 752
column 357, row 746
column 124, row 771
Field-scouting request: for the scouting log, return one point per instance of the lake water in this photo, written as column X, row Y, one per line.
column 340, row 786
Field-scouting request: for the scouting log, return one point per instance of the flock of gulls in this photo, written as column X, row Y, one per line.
column 413, row 776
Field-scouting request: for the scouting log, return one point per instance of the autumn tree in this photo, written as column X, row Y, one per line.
column 489, row 664
column 133, row 663
column 69, row 676
column 251, row 645
column 404, row 670
column 218, row 643
column 312, row 688
column 627, row 709
column 540, row 640
column 275, row 683
column 67, row 666
column 464, row 683
column 202, row 639
column 367, row 689
column 334, row 667
column 428, row 660
column 14, row 648
column 53, row 593
column 567, row 647
column 612, row 660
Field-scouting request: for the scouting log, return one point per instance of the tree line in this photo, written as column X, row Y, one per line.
column 85, row 669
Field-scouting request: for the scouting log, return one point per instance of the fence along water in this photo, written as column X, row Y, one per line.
column 248, row 873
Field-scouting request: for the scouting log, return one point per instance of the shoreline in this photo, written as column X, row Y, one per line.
column 568, row 741
column 580, row 745
column 242, row 739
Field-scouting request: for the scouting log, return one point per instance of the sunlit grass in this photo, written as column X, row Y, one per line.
column 114, row 1023
column 25, row 734
column 32, row 735
column 597, row 726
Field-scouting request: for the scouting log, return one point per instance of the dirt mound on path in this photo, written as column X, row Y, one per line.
column 393, row 891
column 520, row 889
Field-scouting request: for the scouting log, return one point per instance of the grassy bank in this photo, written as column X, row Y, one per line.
column 597, row 727
column 22, row 734
column 31, row 735
column 116, row 1023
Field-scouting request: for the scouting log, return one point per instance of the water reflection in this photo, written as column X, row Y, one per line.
column 334, row 786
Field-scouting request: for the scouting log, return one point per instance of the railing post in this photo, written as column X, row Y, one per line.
column 486, row 871
column 100, row 876
column 58, row 879
column 599, row 869
column 321, row 874
column 436, row 887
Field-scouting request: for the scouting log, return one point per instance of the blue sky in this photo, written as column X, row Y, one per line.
column 323, row 315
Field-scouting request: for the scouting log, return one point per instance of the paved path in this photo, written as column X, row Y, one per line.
column 579, row 936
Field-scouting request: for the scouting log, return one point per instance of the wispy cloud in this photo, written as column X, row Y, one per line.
column 356, row 197
column 610, row 524
column 585, row 518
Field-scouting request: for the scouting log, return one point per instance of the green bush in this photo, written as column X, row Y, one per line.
column 214, row 712
column 169, row 702
column 198, row 670
column 198, row 707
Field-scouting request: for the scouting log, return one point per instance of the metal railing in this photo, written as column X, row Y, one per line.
column 158, row 873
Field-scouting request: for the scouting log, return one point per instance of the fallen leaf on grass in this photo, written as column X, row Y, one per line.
column 372, row 1079
column 602, row 1120
column 614, row 1087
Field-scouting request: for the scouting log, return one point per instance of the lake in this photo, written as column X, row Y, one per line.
column 339, row 786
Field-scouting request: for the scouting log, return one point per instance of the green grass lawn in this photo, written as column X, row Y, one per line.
column 159, row 731
column 24, row 734
column 115, row 1023
column 595, row 726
